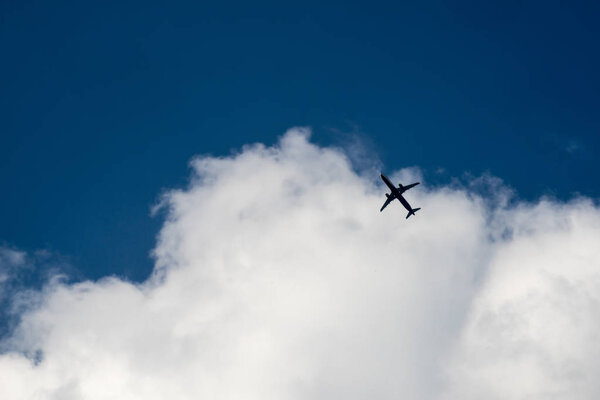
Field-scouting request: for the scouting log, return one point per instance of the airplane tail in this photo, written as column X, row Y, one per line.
column 414, row 210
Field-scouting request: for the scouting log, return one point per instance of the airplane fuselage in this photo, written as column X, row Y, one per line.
column 396, row 192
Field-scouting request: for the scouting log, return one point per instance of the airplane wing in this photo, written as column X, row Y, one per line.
column 410, row 186
column 390, row 198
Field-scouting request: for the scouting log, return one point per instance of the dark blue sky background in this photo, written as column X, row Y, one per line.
column 102, row 105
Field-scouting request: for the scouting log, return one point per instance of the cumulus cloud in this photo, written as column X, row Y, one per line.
column 276, row 277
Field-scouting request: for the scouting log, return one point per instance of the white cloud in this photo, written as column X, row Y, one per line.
column 532, row 330
column 277, row 278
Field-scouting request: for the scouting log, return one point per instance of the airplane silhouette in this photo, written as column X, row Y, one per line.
column 396, row 193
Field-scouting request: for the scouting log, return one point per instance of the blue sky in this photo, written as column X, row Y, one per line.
column 102, row 106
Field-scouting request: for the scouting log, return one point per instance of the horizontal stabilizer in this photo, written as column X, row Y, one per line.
column 412, row 212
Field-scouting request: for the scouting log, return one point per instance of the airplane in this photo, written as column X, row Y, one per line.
column 396, row 193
